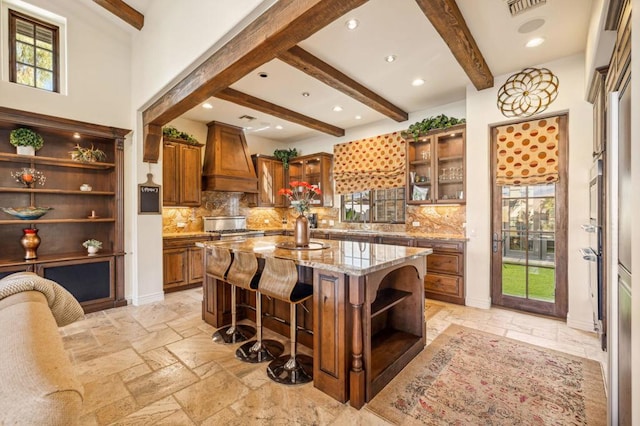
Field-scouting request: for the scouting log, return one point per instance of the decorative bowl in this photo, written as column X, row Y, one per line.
column 26, row 213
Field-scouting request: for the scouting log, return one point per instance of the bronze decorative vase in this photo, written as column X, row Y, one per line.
column 301, row 231
column 30, row 242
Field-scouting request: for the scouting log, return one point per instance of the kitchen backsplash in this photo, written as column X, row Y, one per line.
column 447, row 220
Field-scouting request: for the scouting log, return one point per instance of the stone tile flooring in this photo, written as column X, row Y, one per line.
column 156, row 364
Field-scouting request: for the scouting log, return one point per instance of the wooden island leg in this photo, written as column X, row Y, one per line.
column 357, row 374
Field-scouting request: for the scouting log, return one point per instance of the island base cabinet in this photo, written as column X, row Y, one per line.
column 330, row 344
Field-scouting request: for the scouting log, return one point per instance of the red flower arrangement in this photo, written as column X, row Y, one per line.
column 300, row 195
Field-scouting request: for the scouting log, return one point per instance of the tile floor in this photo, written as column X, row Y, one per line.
column 156, row 364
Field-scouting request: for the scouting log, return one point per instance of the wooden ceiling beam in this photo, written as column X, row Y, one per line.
column 123, row 11
column 279, row 28
column 249, row 101
column 299, row 58
column 447, row 19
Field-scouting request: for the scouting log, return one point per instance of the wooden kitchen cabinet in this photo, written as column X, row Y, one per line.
column 597, row 96
column 97, row 281
column 445, row 270
column 271, row 178
column 316, row 169
column 436, row 167
column 182, row 263
column 181, row 169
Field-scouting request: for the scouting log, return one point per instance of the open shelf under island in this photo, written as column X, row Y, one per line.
column 367, row 311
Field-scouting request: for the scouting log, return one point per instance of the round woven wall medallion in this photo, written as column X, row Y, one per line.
column 528, row 92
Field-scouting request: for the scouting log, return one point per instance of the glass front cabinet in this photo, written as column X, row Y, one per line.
column 436, row 167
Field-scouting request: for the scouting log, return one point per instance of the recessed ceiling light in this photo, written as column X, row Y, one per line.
column 76, row 135
column 390, row 58
column 263, row 74
column 306, row 94
column 531, row 25
column 352, row 24
column 537, row 41
column 358, row 117
column 337, row 108
column 207, row 105
column 279, row 127
column 417, row 82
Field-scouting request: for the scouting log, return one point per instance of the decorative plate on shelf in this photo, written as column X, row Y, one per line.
column 26, row 213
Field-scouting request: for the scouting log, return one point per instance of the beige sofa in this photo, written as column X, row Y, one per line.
column 37, row 382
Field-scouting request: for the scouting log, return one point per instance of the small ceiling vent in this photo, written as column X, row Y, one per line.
column 246, row 117
column 517, row 7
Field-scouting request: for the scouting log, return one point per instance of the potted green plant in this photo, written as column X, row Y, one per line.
column 285, row 155
column 92, row 246
column 26, row 141
column 438, row 122
column 173, row 133
column 87, row 155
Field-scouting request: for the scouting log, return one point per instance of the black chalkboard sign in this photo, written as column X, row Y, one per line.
column 149, row 197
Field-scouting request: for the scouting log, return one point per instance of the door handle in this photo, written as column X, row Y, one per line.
column 496, row 241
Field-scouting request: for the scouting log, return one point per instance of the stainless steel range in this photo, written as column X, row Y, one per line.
column 230, row 227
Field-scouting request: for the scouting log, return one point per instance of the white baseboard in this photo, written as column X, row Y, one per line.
column 579, row 324
column 478, row 303
column 147, row 298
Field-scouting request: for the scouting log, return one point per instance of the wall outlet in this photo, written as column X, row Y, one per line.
column 266, row 221
column 415, row 223
column 331, row 223
column 181, row 224
column 323, row 221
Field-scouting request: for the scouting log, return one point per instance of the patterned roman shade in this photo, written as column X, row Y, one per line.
column 527, row 153
column 373, row 163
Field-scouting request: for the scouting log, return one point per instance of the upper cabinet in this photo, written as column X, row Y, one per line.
column 436, row 167
column 315, row 169
column 597, row 96
column 181, row 170
column 271, row 178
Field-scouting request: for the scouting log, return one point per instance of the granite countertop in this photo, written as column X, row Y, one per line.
column 372, row 232
column 349, row 257
column 186, row 234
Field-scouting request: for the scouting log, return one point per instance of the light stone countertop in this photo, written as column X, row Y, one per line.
column 372, row 232
column 348, row 257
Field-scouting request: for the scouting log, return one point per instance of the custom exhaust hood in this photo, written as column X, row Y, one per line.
column 227, row 161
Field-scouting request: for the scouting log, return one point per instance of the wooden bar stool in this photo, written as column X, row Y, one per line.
column 242, row 273
column 280, row 281
column 259, row 350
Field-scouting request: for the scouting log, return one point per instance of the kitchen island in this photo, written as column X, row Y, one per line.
column 367, row 308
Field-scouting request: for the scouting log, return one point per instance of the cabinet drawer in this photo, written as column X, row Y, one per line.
column 449, row 246
column 397, row 241
column 445, row 263
column 444, row 284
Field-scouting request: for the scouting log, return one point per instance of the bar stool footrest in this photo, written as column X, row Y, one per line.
column 280, row 370
column 269, row 350
column 242, row 333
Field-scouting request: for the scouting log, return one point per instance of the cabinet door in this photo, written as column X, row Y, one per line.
column 265, row 183
column 170, row 186
column 419, row 178
column 196, row 270
column 279, row 182
column 90, row 281
column 190, row 175
column 449, row 166
column 174, row 267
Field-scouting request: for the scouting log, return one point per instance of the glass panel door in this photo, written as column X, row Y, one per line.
column 528, row 229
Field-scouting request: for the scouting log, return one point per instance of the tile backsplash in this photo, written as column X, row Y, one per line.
column 447, row 220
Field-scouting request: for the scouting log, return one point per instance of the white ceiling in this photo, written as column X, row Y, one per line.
column 398, row 27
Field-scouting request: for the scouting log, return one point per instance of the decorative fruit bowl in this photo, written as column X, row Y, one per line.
column 26, row 213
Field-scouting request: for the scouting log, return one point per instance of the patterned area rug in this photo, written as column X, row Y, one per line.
column 467, row 377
